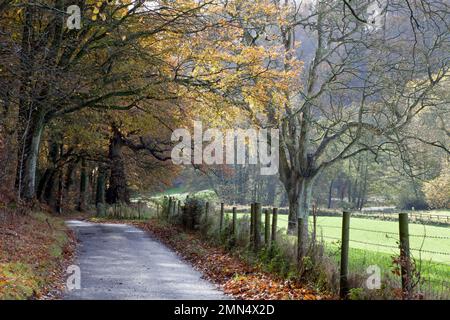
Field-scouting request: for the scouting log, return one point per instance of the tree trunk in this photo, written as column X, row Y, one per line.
column 100, row 191
column 25, row 177
column 46, row 187
column 364, row 189
column 28, row 152
column 349, row 191
column 60, row 193
column 49, row 195
column 68, row 180
column 43, row 182
column 330, row 194
column 299, row 198
column 241, row 197
column 342, row 190
column 82, row 199
column 93, row 185
column 355, row 188
column 271, row 192
column 293, row 196
column 32, row 97
column 118, row 189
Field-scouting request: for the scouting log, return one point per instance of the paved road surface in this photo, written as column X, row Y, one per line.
column 118, row 261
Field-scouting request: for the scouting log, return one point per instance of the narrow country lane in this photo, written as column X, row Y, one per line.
column 119, row 261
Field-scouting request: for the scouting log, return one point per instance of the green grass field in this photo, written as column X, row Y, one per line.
column 375, row 242
column 382, row 236
column 427, row 243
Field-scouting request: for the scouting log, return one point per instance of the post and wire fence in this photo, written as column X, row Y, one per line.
column 355, row 244
column 418, row 268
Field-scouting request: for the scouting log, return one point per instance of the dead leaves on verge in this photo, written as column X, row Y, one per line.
column 34, row 252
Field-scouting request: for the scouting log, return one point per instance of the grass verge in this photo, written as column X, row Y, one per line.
column 34, row 250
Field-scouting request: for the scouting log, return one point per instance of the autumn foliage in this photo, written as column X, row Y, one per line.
column 437, row 191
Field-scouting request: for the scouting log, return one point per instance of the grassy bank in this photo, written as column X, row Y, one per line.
column 34, row 249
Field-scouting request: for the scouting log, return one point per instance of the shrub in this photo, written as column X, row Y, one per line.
column 437, row 192
column 279, row 259
column 206, row 195
column 243, row 231
column 192, row 213
column 407, row 201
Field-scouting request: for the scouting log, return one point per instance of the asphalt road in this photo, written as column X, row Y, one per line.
column 118, row 261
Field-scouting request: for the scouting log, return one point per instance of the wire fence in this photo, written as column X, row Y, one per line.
column 382, row 248
column 369, row 246
column 389, row 235
column 416, row 217
column 392, row 235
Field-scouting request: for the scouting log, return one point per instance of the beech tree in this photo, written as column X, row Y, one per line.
column 128, row 58
column 112, row 62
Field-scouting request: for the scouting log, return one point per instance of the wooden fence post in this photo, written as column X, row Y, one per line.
column 234, row 223
column 343, row 284
column 257, row 227
column 267, row 228
column 221, row 216
column 405, row 262
column 274, row 224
